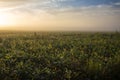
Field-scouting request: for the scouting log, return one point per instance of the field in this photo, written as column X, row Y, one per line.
column 59, row 56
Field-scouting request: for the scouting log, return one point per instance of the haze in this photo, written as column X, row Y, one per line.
column 80, row 15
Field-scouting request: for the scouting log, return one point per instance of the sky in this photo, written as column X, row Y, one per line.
column 67, row 15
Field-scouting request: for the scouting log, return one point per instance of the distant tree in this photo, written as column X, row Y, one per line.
column 1, row 40
column 35, row 34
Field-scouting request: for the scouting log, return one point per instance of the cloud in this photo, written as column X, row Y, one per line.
column 58, row 7
column 10, row 0
column 63, row 13
column 117, row 3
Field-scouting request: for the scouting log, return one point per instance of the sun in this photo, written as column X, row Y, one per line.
column 6, row 19
column 3, row 20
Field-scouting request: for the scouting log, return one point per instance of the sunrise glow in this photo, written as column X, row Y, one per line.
column 79, row 15
column 3, row 20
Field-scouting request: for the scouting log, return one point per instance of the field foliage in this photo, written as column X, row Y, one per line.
column 59, row 56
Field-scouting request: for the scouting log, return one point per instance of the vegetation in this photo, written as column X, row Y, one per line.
column 59, row 56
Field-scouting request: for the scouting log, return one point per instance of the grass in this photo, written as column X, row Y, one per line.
column 59, row 56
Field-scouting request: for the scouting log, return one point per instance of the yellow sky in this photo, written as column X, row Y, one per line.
column 22, row 17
